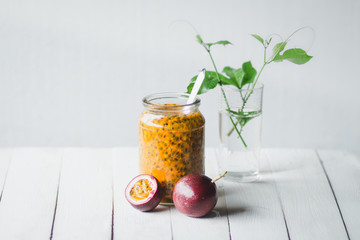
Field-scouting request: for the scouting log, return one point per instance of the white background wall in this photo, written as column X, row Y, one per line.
column 73, row 72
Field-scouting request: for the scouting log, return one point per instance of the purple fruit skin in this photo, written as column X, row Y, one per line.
column 152, row 203
column 195, row 195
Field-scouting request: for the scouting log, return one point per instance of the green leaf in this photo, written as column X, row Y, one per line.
column 223, row 79
column 242, row 117
column 249, row 74
column 199, row 39
column 223, row 42
column 229, row 71
column 236, row 75
column 268, row 42
column 210, row 82
column 233, row 112
column 241, row 76
column 294, row 55
column 260, row 39
column 243, row 121
column 228, row 81
column 278, row 48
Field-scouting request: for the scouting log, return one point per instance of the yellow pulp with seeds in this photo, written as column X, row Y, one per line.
column 171, row 146
column 141, row 189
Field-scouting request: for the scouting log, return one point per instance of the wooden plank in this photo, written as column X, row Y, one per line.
column 84, row 207
column 130, row 223
column 343, row 171
column 212, row 226
column 5, row 158
column 308, row 203
column 254, row 208
column 28, row 201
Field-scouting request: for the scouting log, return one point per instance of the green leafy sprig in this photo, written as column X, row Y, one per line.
column 246, row 75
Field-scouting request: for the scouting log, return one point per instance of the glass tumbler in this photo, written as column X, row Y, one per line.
column 240, row 117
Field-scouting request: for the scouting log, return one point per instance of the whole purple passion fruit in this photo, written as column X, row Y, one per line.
column 195, row 195
column 144, row 192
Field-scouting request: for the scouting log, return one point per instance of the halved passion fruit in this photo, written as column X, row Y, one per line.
column 144, row 192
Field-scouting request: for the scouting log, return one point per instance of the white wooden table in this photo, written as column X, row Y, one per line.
column 78, row 193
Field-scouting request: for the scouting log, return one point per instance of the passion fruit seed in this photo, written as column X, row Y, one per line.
column 144, row 192
column 140, row 190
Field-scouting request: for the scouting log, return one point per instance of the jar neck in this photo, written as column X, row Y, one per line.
column 170, row 102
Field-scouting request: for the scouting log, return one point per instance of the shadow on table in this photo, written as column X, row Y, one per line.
column 222, row 211
column 161, row 208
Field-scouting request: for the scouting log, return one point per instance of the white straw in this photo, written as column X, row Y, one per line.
column 197, row 85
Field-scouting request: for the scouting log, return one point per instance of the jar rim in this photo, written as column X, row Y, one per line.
column 147, row 101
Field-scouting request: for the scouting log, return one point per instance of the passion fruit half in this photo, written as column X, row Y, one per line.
column 144, row 192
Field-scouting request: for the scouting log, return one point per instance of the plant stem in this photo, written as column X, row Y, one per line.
column 225, row 98
column 257, row 78
column 264, row 64
column 253, row 86
column 248, row 96
column 271, row 59
column 231, row 130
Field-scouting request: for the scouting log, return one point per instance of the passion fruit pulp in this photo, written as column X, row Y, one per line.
column 144, row 192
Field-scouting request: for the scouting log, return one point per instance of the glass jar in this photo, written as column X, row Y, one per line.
column 171, row 139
